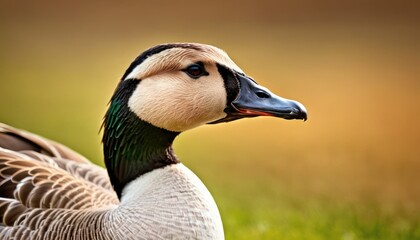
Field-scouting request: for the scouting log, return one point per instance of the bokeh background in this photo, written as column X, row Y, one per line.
column 352, row 171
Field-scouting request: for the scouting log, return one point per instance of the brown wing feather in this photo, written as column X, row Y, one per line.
column 45, row 150
column 38, row 175
column 19, row 140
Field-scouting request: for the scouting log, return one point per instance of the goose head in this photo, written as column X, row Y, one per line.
column 188, row 85
column 172, row 88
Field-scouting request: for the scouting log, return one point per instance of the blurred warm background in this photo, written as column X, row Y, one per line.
column 352, row 171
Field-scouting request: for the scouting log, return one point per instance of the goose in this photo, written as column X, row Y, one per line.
column 48, row 191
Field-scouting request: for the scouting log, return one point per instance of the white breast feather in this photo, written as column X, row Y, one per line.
column 185, row 206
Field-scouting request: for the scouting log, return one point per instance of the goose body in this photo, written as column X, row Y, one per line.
column 48, row 191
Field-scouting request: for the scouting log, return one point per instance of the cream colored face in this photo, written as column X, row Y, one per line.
column 167, row 97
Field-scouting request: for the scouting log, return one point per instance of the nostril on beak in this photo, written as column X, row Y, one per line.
column 262, row 94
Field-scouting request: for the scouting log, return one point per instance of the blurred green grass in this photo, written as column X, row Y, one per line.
column 349, row 172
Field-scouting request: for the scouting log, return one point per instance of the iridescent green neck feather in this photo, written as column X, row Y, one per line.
column 132, row 146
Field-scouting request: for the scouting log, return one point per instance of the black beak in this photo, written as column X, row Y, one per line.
column 254, row 100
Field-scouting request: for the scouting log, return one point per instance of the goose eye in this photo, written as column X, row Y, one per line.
column 196, row 70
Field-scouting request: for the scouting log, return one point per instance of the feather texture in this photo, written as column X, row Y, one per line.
column 49, row 197
column 41, row 178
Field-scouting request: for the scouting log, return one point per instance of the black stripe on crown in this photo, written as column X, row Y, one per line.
column 155, row 50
